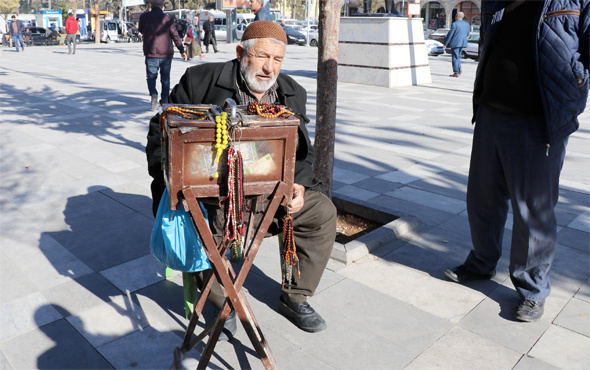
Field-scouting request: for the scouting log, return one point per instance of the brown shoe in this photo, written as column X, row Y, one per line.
column 455, row 75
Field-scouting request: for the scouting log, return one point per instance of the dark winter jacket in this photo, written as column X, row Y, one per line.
column 562, row 59
column 212, row 83
column 262, row 14
column 158, row 32
column 19, row 27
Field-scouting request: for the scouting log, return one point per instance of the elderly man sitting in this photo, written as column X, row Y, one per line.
column 254, row 76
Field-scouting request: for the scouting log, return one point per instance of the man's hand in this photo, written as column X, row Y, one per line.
column 297, row 201
column 184, row 56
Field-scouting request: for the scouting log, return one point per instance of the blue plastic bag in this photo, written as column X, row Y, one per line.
column 174, row 240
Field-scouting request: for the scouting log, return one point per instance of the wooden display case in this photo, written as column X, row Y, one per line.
column 267, row 145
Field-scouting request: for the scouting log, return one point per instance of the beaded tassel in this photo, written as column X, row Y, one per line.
column 266, row 110
column 234, row 227
column 221, row 138
column 289, row 254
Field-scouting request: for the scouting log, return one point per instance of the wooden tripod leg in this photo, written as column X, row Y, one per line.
column 232, row 284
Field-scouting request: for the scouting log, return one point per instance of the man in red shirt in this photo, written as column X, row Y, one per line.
column 71, row 31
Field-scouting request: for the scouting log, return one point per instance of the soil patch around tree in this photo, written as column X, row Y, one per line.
column 350, row 227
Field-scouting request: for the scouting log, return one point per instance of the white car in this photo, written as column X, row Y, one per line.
column 434, row 47
column 240, row 28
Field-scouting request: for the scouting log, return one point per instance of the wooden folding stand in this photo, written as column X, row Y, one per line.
column 268, row 149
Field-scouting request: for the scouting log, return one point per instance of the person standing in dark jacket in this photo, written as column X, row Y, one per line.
column 16, row 31
column 255, row 77
column 529, row 91
column 260, row 12
column 159, row 30
column 209, row 28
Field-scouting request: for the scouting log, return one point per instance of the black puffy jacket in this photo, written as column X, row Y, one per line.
column 562, row 59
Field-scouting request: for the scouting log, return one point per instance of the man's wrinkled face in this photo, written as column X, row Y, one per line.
column 262, row 65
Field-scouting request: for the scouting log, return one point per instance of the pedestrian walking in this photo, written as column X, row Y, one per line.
column 209, row 28
column 159, row 31
column 260, row 12
column 16, row 31
column 193, row 40
column 71, row 32
column 456, row 40
column 529, row 91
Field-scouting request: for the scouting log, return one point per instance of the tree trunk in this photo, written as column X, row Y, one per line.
column 97, row 29
column 325, row 129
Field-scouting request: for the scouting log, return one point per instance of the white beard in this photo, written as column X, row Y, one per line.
column 255, row 84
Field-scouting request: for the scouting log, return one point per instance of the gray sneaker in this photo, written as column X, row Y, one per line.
column 154, row 102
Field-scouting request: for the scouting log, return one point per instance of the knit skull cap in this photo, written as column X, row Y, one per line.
column 264, row 30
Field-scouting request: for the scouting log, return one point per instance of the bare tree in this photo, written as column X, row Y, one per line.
column 325, row 131
column 97, row 29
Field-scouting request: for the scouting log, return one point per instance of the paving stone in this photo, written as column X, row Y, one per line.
column 438, row 297
column 400, row 207
column 574, row 239
column 531, row 363
column 562, row 348
column 462, row 349
column 377, row 185
column 151, row 348
column 136, row 274
column 356, row 193
column 582, row 222
column 49, row 264
column 89, row 291
column 575, row 317
column 346, row 176
column 584, row 292
column 53, row 346
column 494, row 319
column 14, row 283
column 24, row 314
column 429, row 199
column 452, row 184
column 108, row 321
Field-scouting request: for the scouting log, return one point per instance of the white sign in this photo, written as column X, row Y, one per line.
column 127, row 3
column 413, row 8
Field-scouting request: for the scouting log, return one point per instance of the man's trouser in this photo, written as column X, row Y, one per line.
column 510, row 160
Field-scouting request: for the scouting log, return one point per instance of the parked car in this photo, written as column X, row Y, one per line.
column 240, row 28
column 434, row 47
column 472, row 49
column 439, row 35
column 293, row 36
column 109, row 31
column 220, row 33
column 313, row 37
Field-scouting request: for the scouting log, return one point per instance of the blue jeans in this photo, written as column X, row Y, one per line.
column 18, row 37
column 456, row 59
column 152, row 65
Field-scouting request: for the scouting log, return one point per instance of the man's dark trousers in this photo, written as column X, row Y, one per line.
column 510, row 160
column 314, row 230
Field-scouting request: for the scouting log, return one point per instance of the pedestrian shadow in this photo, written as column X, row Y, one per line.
column 105, row 231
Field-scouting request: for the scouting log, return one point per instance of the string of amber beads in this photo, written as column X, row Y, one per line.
column 221, row 138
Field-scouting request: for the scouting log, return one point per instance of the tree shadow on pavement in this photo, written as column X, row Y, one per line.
column 102, row 113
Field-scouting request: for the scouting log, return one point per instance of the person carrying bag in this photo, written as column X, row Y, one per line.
column 193, row 41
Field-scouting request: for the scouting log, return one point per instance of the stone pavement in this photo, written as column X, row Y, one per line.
column 79, row 288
